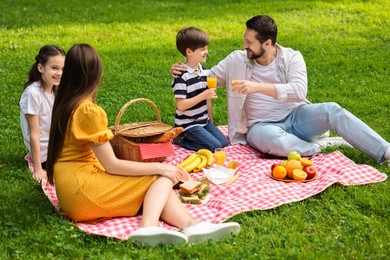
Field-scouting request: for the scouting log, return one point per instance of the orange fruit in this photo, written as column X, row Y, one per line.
column 233, row 164
column 279, row 172
column 299, row 175
column 306, row 162
column 291, row 165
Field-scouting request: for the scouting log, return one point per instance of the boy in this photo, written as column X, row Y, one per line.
column 193, row 98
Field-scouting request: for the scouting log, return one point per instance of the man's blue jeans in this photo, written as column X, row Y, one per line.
column 198, row 137
column 309, row 120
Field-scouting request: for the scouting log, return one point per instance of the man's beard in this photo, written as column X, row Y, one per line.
column 252, row 55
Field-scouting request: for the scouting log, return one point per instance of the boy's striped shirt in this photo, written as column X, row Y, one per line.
column 190, row 84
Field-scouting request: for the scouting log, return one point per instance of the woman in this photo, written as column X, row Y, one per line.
column 92, row 184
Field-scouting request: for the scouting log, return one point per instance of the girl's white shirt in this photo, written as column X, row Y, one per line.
column 36, row 101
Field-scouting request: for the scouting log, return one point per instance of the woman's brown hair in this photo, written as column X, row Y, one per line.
column 80, row 80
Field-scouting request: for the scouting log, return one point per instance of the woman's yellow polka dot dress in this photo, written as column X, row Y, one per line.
column 84, row 190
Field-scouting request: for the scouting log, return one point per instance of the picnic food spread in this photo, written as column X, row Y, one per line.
column 191, row 191
column 295, row 168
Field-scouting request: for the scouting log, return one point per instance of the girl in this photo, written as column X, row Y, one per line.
column 36, row 105
column 92, row 184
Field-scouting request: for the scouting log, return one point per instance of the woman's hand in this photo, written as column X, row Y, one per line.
column 171, row 172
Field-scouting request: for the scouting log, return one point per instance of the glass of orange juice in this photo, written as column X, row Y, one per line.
column 219, row 156
column 211, row 82
column 234, row 79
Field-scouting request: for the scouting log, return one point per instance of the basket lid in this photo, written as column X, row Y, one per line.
column 141, row 129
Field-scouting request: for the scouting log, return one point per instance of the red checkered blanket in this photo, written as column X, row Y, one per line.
column 253, row 190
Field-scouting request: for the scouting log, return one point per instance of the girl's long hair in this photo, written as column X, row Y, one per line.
column 80, row 80
column 43, row 56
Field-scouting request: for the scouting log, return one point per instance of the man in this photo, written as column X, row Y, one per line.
column 266, row 88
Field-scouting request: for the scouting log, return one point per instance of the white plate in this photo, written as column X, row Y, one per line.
column 219, row 174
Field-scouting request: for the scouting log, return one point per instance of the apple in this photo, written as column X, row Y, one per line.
column 273, row 166
column 283, row 163
column 311, row 171
column 294, row 155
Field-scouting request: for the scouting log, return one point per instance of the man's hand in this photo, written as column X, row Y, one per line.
column 177, row 69
column 250, row 87
column 245, row 86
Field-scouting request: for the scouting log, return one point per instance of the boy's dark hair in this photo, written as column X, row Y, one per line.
column 265, row 27
column 192, row 38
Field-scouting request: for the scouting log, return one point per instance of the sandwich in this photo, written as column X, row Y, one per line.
column 193, row 191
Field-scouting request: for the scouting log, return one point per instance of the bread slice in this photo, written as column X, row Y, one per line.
column 203, row 190
column 191, row 200
column 190, row 186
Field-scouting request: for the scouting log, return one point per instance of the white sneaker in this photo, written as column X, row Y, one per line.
column 330, row 141
column 204, row 231
column 157, row 235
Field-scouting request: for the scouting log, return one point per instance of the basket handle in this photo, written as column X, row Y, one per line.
column 123, row 109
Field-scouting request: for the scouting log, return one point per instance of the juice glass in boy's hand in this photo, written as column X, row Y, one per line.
column 212, row 82
column 219, row 156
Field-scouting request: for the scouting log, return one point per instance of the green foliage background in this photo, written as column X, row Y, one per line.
column 346, row 48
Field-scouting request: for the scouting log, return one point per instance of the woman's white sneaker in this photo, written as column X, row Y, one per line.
column 204, row 231
column 157, row 235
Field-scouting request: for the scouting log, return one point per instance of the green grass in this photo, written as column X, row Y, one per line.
column 346, row 48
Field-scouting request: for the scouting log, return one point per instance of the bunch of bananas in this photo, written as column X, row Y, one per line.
column 195, row 162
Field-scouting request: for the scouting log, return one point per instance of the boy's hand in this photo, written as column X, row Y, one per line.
column 210, row 93
column 177, row 69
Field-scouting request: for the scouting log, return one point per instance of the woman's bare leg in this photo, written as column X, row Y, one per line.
column 161, row 202
column 154, row 201
column 175, row 214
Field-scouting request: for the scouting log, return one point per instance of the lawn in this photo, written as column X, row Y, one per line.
column 346, row 46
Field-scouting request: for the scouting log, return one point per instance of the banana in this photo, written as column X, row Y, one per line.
column 202, row 164
column 208, row 154
column 190, row 167
column 190, row 158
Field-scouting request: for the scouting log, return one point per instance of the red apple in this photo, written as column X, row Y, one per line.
column 311, row 171
column 274, row 165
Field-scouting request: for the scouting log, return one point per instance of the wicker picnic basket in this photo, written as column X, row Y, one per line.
column 127, row 137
